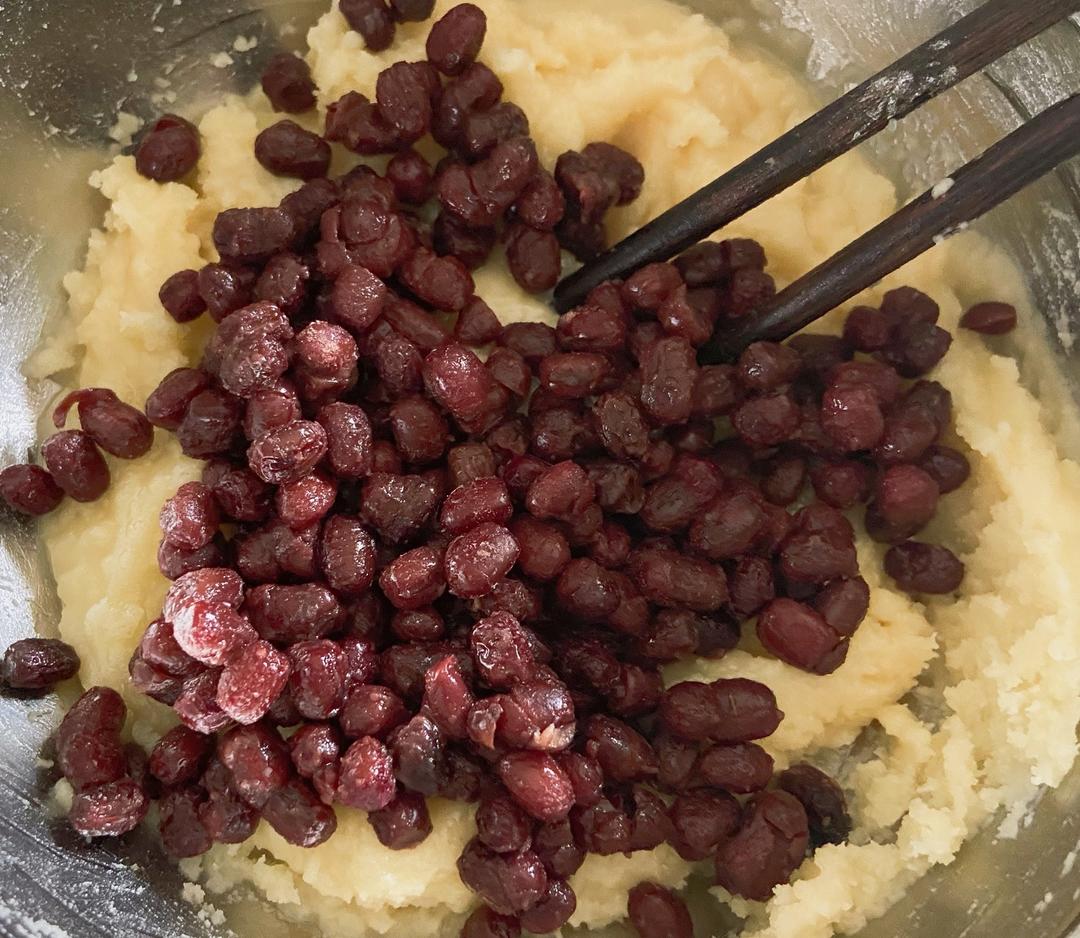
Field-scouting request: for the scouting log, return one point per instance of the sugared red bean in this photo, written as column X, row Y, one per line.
column 288, row 453
column 420, row 430
column 868, row 329
column 404, row 94
column 197, row 706
column 189, row 520
column 371, row 711
column 76, row 465
column 534, row 258
column 211, row 632
column 88, row 748
column 668, row 370
column 317, row 679
column 823, row 800
column 819, row 547
column 169, row 151
column 179, row 756
column 30, row 490
column 457, row 380
column 442, row 282
column 225, row 288
column 372, row 19
column 38, row 663
column 702, row 821
column 484, row 500
column 553, row 910
column 414, row 579
column 252, row 681
column 288, row 84
column 109, row 810
column 948, row 467
column 287, row 149
column 668, row 578
column 767, row 420
column 990, row 318
column 766, row 366
column 297, row 814
column 655, row 911
column 905, row 499
column 767, row 848
column 623, row 754
column 852, row 418
column 182, row 831
column 292, row 613
column 475, row 561
column 508, row 884
column 802, row 637
column 455, row 40
column 209, row 424
column 181, row 298
column 731, row 710
column 741, row 768
column 909, row 304
column 167, row 404
column 403, row 823
column 366, row 779
column 411, row 176
column 251, row 235
column 562, row 491
column 924, row 568
column 397, row 506
column 844, row 604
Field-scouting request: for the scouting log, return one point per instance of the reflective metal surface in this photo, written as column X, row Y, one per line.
column 68, row 67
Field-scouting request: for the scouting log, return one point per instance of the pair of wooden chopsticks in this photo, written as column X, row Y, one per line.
column 1028, row 153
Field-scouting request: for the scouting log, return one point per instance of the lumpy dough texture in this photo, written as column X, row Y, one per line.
column 670, row 87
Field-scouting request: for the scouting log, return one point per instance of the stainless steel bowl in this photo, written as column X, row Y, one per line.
column 68, row 67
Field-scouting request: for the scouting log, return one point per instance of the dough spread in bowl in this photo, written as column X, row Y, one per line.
column 960, row 706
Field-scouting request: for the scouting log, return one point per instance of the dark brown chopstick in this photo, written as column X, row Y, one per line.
column 1028, row 153
column 978, row 39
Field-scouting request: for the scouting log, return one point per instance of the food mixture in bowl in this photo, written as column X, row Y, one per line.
column 439, row 614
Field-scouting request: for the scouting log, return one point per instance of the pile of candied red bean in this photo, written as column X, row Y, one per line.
column 446, row 576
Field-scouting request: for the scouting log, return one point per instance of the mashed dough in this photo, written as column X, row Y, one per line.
column 996, row 707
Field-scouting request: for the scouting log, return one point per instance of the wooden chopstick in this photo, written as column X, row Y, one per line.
column 1029, row 152
column 978, row 39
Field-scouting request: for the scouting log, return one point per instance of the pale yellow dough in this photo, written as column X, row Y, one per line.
column 670, row 87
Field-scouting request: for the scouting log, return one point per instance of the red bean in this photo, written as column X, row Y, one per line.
column 287, row 82
column 367, row 776
column 403, row 823
column 768, row 847
column 372, row 19
column 924, row 568
column 169, row 150
column 668, row 370
column 654, row 911
column 76, row 465
column 702, row 821
column 731, row 710
column 802, row 637
column 287, row 149
column 38, row 663
column 990, row 318
column 288, row 453
column 30, row 490
column 297, row 814
column 109, row 810
column 180, row 296
column 167, row 404
column 455, row 40
column 823, row 800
